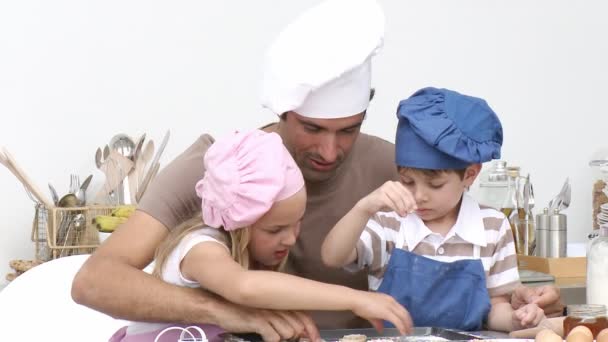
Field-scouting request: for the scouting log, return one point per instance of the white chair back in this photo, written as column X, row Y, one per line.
column 38, row 306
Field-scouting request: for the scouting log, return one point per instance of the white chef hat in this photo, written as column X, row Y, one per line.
column 320, row 65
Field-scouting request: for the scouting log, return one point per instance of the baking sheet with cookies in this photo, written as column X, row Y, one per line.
column 388, row 335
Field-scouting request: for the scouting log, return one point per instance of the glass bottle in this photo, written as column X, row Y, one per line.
column 510, row 206
column 526, row 224
column 597, row 268
column 493, row 185
column 590, row 315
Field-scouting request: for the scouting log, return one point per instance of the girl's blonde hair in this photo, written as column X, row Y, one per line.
column 238, row 239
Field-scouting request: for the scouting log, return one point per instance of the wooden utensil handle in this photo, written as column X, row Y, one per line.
column 115, row 169
column 149, row 176
column 133, row 184
column 24, row 178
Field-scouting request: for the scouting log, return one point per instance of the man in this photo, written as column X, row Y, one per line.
column 318, row 80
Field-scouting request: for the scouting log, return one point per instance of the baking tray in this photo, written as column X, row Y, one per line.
column 418, row 334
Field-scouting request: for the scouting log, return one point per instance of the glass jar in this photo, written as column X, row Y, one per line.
column 590, row 315
column 493, row 185
column 599, row 192
column 597, row 268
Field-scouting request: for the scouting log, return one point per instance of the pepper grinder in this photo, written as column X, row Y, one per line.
column 542, row 233
column 557, row 235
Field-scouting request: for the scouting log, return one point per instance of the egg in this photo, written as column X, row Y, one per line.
column 582, row 329
column 547, row 335
column 602, row 336
column 579, row 336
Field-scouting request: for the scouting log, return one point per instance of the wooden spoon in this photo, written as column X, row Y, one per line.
column 133, row 180
column 116, row 167
column 144, row 158
column 7, row 160
column 144, row 186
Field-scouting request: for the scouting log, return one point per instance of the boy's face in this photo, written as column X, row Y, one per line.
column 438, row 196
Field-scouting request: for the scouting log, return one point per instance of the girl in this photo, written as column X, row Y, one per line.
column 253, row 199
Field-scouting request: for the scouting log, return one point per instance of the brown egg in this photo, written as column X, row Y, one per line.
column 547, row 335
column 582, row 329
column 579, row 336
column 602, row 336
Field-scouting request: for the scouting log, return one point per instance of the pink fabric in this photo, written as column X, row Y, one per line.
column 246, row 172
column 212, row 332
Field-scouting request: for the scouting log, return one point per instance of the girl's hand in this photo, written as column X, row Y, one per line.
column 376, row 307
column 391, row 196
column 277, row 325
column 527, row 316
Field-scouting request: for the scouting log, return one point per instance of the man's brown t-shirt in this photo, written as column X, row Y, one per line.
column 171, row 199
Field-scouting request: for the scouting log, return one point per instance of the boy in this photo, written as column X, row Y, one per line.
column 450, row 262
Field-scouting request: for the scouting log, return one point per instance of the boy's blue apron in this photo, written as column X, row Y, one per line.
column 438, row 294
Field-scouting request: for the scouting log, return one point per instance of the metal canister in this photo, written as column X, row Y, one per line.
column 542, row 233
column 557, row 235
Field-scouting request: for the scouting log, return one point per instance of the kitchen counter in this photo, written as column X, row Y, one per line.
column 573, row 290
column 418, row 334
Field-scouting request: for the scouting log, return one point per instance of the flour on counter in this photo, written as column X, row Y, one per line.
column 422, row 338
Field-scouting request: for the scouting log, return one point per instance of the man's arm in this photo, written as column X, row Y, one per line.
column 112, row 281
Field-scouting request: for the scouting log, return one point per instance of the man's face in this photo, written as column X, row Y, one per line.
column 319, row 146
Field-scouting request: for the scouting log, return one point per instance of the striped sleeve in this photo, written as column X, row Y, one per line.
column 370, row 242
column 375, row 244
column 503, row 275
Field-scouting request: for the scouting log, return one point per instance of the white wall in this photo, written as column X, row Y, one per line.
column 74, row 73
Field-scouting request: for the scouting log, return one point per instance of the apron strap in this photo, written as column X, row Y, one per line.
column 400, row 243
column 476, row 251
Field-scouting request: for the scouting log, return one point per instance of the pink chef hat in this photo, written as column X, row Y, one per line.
column 246, row 172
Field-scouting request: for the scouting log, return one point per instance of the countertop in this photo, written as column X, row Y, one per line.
column 418, row 334
column 573, row 290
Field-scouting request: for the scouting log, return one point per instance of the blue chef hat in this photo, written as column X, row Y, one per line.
column 442, row 129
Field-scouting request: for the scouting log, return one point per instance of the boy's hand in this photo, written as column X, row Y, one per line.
column 391, row 196
column 528, row 316
column 376, row 307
